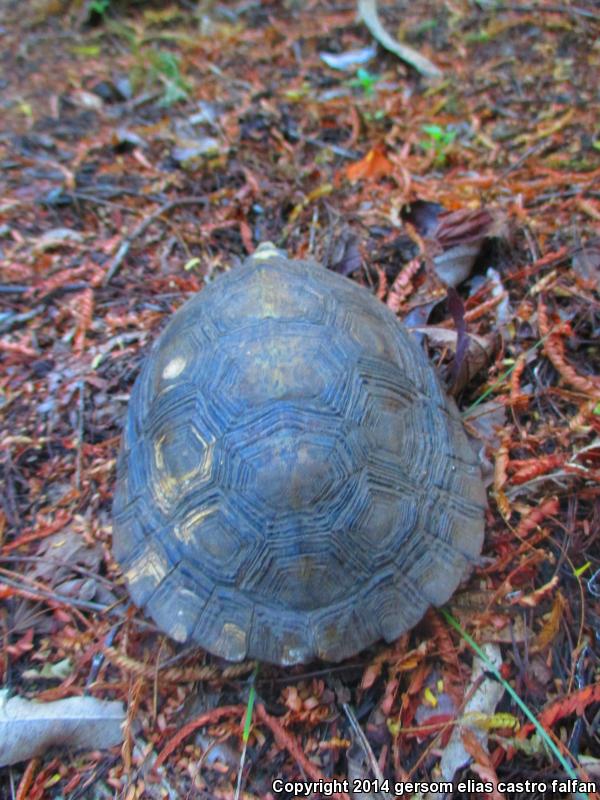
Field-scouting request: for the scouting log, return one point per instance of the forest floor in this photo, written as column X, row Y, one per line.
column 146, row 147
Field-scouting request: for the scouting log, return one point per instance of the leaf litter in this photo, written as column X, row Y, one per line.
column 157, row 146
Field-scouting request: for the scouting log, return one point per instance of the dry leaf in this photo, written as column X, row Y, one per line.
column 454, row 266
column 28, row 729
column 575, row 703
column 479, row 351
column 551, row 625
column 485, row 420
column 373, row 166
column 60, row 555
column 453, row 239
column 343, row 253
column 460, row 235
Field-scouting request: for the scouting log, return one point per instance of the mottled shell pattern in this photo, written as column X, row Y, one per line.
column 293, row 482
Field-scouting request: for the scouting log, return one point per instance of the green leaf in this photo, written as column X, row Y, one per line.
column 434, row 131
column 477, row 37
column 86, row 50
column 99, row 7
column 365, row 80
column 426, row 25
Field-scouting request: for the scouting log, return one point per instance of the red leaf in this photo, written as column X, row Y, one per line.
column 575, row 703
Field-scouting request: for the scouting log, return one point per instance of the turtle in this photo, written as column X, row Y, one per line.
column 293, row 482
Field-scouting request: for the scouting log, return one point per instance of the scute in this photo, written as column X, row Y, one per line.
column 293, row 482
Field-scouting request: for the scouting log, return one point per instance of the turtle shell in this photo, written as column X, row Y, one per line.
column 293, row 482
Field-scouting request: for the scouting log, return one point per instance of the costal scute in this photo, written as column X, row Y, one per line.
column 293, row 482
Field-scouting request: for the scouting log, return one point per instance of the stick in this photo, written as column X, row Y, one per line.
column 367, row 10
column 141, row 228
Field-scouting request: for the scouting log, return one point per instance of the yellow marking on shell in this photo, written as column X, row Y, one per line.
column 174, row 368
column 185, row 531
column 207, row 461
column 169, row 484
column 166, row 483
column 199, row 472
column 150, row 566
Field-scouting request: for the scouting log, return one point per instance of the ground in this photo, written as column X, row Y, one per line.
column 146, row 147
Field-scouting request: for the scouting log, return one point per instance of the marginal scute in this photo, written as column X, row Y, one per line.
column 293, row 483
column 177, row 604
column 147, row 572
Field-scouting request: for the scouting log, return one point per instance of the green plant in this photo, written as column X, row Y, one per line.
column 375, row 116
column 164, row 66
column 541, row 731
column 477, row 37
column 151, row 65
column 365, row 80
column 160, row 66
column 439, row 140
column 99, row 7
column 424, row 27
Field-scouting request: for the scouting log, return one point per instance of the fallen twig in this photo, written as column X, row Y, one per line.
column 368, row 13
column 288, row 742
column 207, row 718
column 142, row 227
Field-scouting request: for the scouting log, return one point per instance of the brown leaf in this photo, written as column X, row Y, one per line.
column 552, row 624
column 485, row 420
column 372, row 672
column 373, row 166
column 465, row 226
column 474, row 747
column 534, row 598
